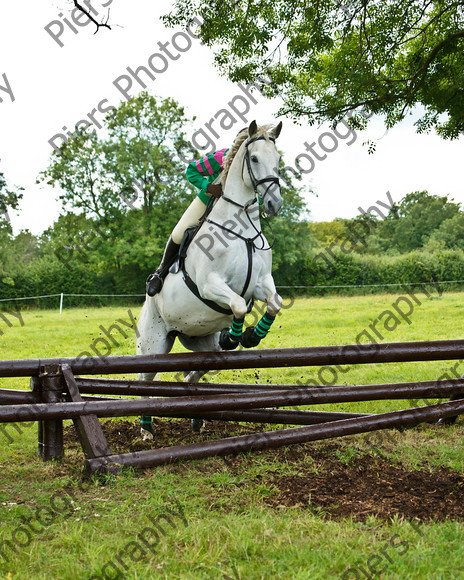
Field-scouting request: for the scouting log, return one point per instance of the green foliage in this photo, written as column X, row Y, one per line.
column 79, row 170
column 379, row 271
column 123, row 243
column 329, row 57
column 418, row 221
column 9, row 199
column 411, row 222
column 46, row 276
column 126, row 190
column 328, row 232
column 450, row 233
column 420, row 240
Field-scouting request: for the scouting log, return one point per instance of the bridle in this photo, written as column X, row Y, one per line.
column 254, row 182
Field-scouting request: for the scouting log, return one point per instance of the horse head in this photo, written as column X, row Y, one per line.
column 256, row 163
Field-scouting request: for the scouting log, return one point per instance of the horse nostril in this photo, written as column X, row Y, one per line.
column 273, row 207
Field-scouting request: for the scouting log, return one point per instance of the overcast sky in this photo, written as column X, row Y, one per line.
column 56, row 86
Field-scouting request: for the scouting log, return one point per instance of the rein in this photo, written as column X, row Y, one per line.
column 255, row 183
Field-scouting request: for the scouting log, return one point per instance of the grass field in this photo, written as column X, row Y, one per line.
column 238, row 518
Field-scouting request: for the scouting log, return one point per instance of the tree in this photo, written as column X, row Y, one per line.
column 412, row 221
column 78, row 169
column 329, row 57
column 127, row 187
column 145, row 137
column 289, row 233
column 327, row 233
column 450, row 233
column 9, row 199
column 134, row 165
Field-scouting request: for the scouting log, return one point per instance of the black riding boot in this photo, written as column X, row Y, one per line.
column 155, row 280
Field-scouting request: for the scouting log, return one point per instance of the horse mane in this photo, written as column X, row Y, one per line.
column 234, row 149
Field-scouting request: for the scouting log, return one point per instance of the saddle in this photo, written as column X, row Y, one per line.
column 179, row 260
column 179, row 264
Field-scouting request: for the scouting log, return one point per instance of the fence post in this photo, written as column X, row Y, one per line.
column 35, row 385
column 51, row 389
column 61, row 303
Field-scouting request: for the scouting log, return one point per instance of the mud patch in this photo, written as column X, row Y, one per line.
column 125, row 437
column 363, row 486
column 372, row 486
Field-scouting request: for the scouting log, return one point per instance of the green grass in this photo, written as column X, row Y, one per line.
column 231, row 532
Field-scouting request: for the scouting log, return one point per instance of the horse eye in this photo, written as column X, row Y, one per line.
column 254, row 159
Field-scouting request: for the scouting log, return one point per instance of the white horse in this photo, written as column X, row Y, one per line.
column 228, row 264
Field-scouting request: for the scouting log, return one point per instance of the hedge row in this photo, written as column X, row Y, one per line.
column 49, row 276
column 341, row 269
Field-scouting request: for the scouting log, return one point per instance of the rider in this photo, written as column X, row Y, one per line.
column 200, row 173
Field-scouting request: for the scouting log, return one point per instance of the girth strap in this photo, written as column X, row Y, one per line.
column 194, row 289
column 213, row 305
column 250, row 249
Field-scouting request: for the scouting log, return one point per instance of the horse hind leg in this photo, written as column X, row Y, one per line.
column 153, row 338
column 208, row 343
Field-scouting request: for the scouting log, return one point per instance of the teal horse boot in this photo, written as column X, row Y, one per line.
column 146, row 428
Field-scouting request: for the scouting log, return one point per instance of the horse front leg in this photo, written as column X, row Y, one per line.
column 214, row 288
column 266, row 292
column 230, row 338
column 217, row 290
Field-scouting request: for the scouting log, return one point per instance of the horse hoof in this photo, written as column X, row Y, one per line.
column 225, row 342
column 146, row 435
column 197, row 425
column 146, row 429
column 249, row 338
column 447, row 421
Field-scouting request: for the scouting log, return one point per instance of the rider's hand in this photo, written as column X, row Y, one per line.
column 214, row 190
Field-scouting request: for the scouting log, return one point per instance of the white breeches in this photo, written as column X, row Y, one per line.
column 190, row 218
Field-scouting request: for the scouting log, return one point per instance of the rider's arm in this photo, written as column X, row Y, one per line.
column 205, row 171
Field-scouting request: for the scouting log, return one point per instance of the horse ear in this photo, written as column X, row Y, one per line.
column 252, row 129
column 276, row 131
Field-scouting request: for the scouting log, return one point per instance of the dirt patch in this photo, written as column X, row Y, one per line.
column 371, row 486
column 358, row 487
column 125, row 437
